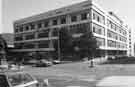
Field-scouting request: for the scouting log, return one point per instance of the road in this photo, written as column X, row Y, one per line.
column 79, row 74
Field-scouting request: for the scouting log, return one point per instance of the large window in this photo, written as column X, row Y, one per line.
column 100, row 41
column 112, row 34
column 21, row 28
column 43, row 34
column 98, row 29
column 79, row 28
column 28, row 45
column 111, row 43
column 46, row 23
column 18, row 38
column 29, row 36
column 63, row 20
column 55, row 22
column 55, row 32
column 18, row 45
column 32, row 26
column 73, row 18
column 40, row 25
column 26, row 27
column 84, row 16
column 43, row 44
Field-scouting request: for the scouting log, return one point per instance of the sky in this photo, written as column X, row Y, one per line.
column 15, row 9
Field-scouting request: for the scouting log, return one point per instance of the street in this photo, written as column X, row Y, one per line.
column 79, row 74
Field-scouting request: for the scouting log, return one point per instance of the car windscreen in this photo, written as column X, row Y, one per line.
column 3, row 81
column 19, row 79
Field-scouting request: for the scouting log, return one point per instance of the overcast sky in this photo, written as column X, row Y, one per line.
column 15, row 9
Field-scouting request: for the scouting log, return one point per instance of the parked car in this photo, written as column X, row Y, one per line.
column 44, row 63
column 31, row 62
column 17, row 79
column 56, row 62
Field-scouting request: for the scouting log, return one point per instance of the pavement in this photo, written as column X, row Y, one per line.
column 79, row 74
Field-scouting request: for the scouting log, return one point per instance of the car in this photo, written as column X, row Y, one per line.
column 44, row 62
column 17, row 78
column 31, row 62
column 56, row 62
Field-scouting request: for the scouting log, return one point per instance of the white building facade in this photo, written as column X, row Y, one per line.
column 39, row 33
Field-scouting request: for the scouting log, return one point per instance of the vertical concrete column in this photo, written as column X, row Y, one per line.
column 106, row 45
column 68, row 19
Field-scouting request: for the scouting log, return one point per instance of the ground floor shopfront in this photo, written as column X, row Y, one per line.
column 51, row 55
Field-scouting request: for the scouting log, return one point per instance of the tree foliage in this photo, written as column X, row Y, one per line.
column 83, row 46
column 3, row 44
column 65, row 39
column 86, row 45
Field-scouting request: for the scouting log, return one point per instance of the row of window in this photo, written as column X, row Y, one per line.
column 73, row 29
column 29, row 45
column 116, row 36
column 46, row 23
column 115, row 44
column 113, row 26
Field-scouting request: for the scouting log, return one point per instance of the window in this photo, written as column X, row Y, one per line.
column 100, row 41
column 111, row 43
column 16, row 30
column 94, row 16
column 98, row 18
column 43, row 44
column 73, row 18
column 30, row 36
column 32, row 26
column 84, row 16
column 39, row 25
column 27, row 27
column 43, row 34
column 21, row 29
column 55, row 22
column 18, row 38
column 55, row 32
column 46, row 24
column 79, row 28
column 18, row 45
column 98, row 29
column 28, row 45
column 63, row 20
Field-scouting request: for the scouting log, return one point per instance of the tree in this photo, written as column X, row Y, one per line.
column 86, row 45
column 65, row 42
column 3, row 47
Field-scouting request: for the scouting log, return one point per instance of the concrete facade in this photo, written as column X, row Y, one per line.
column 38, row 33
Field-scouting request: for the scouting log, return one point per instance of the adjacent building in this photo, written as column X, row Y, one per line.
column 38, row 33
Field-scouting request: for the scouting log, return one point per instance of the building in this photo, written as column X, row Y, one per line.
column 130, row 51
column 39, row 32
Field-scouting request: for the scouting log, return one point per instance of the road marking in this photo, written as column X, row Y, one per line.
column 76, row 86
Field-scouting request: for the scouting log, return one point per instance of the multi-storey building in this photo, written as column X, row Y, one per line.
column 130, row 51
column 39, row 33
